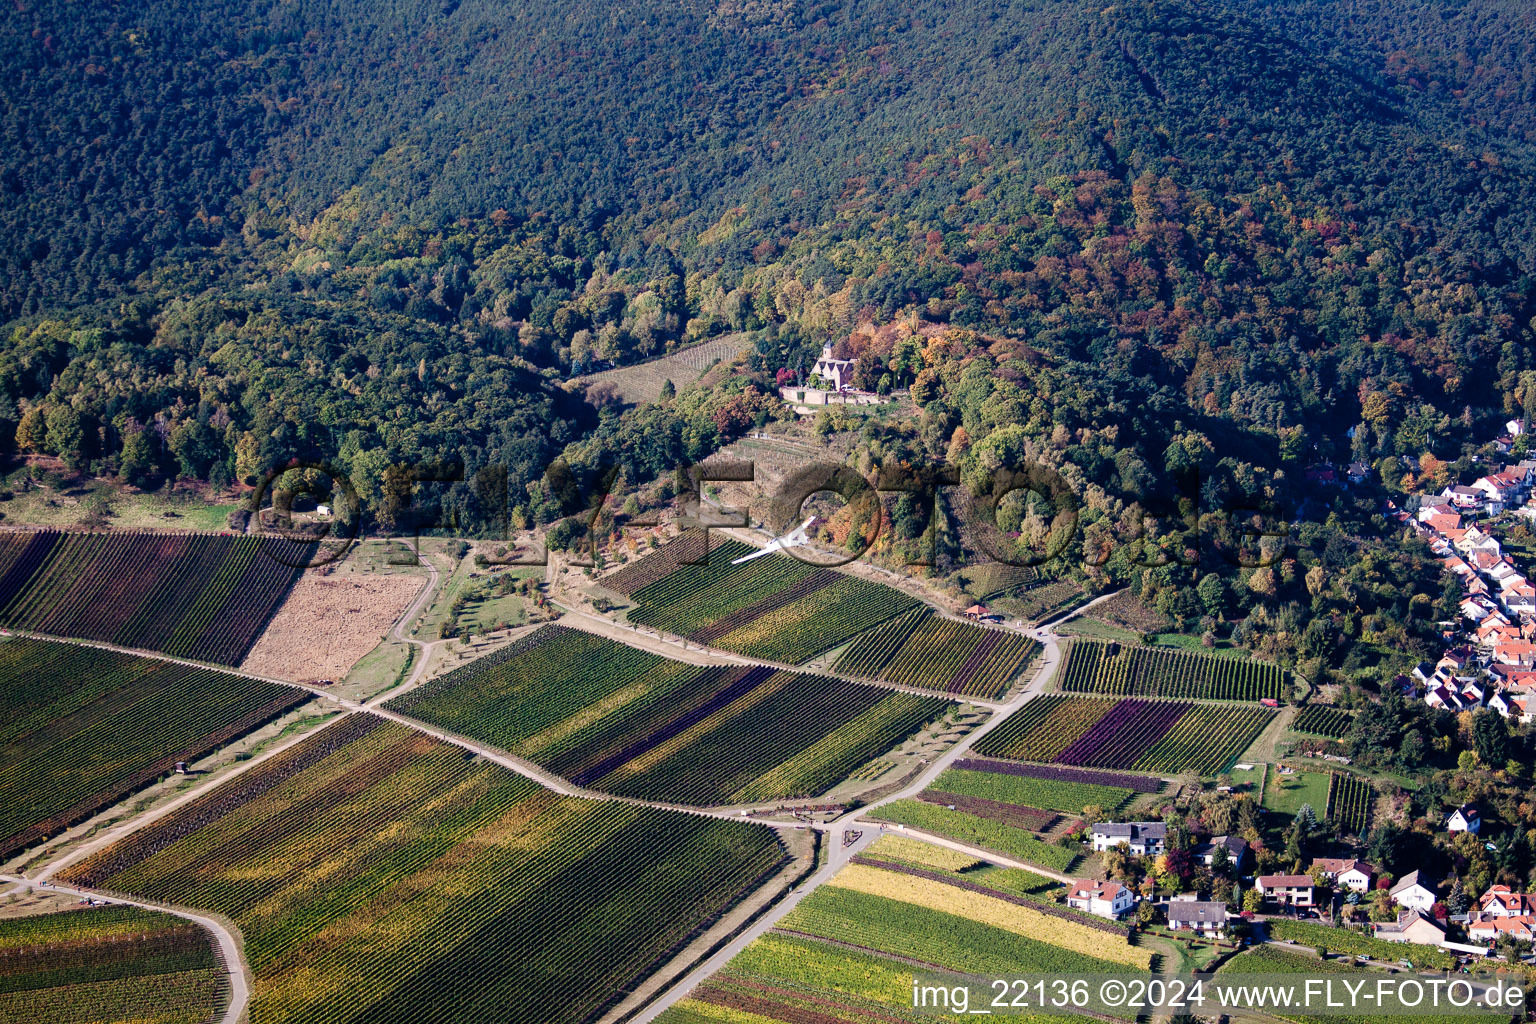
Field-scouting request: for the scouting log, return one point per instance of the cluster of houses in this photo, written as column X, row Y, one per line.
column 1186, row 912
column 1493, row 662
column 1415, row 895
column 1502, row 912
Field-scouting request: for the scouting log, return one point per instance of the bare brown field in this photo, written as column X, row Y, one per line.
column 328, row 623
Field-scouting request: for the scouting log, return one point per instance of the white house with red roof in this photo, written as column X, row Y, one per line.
column 1489, row 929
column 1102, row 899
column 1346, row 872
column 1287, row 890
column 1518, row 652
column 1448, row 697
column 1502, row 901
column 1431, row 509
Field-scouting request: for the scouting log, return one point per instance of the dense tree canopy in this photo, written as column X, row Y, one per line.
column 1168, row 245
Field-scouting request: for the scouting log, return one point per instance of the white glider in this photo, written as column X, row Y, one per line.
column 794, row 538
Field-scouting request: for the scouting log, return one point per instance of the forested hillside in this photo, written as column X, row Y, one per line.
column 1144, row 242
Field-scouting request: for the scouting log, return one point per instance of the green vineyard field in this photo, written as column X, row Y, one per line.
column 1134, row 671
column 617, row 719
column 1321, row 720
column 774, row 608
column 201, row 596
column 1135, row 734
column 1350, row 800
column 112, row 965
column 123, row 721
column 379, row 875
column 920, row 648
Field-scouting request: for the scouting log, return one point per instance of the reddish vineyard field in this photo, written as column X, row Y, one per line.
column 774, row 608
column 108, row 964
column 923, row 649
column 667, row 730
column 378, row 875
column 201, row 596
column 1139, row 735
column 1126, row 670
column 66, row 752
column 1054, row 773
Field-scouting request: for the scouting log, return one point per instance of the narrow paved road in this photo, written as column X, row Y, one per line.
column 228, row 945
column 407, row 620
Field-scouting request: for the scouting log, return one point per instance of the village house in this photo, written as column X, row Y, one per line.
column 1501, row 489
column 1287, row 890
column 1444, row 695
column 1430, row 510
column 1206, row 919
column 1412, row 926
column 1464, row 819
column 1502, row 901
column 1144, row 838
column 1488, row 930
column 1463, row 498
column 1454, row 660
column 1236, row 847
column 1102, row 899
column 1414, row 893
column 1518, row 652
column 1346, row 872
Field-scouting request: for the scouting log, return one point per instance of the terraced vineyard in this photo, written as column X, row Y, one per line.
column 372, row 870
column 614, row 718
column 1322, row 720
column 1350, row 800
column 121, row 722
column 201, row 596
column 108, row 965
column 1136, row 734
column 643, row 382
column 920, row 648
column 1126, row 670
column 849, row 951
column 774, row 608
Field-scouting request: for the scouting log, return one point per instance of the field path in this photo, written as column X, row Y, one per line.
column 417, row 609
column 229, row 947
